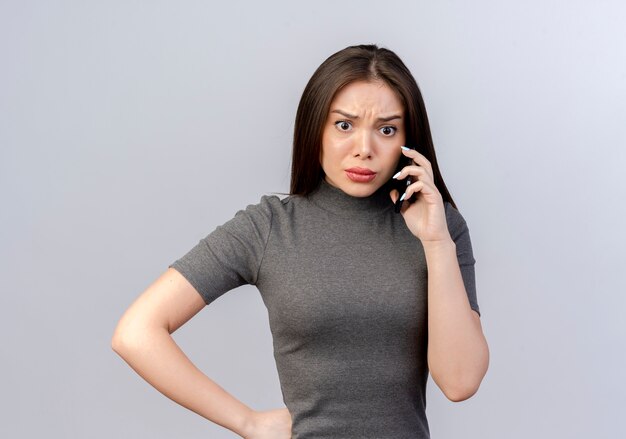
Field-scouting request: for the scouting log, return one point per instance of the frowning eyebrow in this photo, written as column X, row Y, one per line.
column 381, row 119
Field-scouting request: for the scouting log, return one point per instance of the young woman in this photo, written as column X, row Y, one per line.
column 363, row 301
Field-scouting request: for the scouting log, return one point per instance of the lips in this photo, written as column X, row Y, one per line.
column 361, row 171
column 360, row 175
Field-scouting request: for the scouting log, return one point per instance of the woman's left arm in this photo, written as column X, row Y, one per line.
column 458, row 355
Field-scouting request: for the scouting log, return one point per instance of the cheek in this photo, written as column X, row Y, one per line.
column 326, row 146
column 331, row 147
column 396, row 163
column 394, row 160
column 394, row 153
column 327, row 156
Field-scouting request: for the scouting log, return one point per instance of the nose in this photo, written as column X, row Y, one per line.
column 363, row 146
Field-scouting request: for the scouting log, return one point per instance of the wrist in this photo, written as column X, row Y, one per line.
column 248, row 424
column 440, row 244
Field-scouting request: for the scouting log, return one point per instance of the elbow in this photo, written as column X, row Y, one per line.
column 124, row 343
column 467, row 383
column 131, row 332
column 132, row 337
column 461, row 392
column 117, row 342
column 463, row 388
column 457, row 389
column 123, row 338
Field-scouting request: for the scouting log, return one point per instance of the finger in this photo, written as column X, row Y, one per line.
column 418, row 171
column 415, row 173
column 415, row 155
column 419, row 159
column 413, row 188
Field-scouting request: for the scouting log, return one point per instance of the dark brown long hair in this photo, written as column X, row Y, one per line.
column 356, row 63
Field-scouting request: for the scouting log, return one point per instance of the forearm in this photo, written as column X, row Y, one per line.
column 458, row 354
column 156, row 357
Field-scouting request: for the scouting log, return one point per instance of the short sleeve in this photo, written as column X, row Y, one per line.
column 460, row 235
column 231, row 255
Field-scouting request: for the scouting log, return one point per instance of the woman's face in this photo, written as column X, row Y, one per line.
column 364, row 129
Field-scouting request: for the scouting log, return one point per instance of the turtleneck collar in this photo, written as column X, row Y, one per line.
column 335, row 200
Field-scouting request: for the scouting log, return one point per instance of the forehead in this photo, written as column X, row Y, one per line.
column 361, row 95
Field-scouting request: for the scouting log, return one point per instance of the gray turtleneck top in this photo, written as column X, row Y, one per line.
column 345, row 285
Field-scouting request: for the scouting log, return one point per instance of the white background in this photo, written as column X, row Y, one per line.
column 129, row 130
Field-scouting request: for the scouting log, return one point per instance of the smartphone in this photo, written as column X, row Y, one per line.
column 402, row 184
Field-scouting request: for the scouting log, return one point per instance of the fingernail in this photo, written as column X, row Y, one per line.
column 405, row 148
column 396, row 176
column 402, row 197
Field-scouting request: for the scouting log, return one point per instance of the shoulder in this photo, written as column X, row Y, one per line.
column 269, row 206
column 272, row 204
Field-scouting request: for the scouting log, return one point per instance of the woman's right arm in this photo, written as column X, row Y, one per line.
column 142, row 338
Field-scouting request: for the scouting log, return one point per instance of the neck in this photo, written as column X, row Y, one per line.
column 335, row 200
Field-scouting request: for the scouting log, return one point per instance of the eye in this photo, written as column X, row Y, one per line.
column 343, row 124
column 389, row 127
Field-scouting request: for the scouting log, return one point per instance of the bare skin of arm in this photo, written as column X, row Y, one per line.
column 458, row 354
column 143, row 339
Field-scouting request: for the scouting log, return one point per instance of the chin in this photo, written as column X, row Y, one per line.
column 353, row 188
